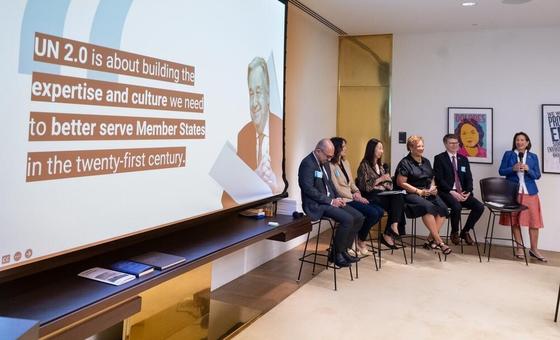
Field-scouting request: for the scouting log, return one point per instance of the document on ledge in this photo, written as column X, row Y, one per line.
column 112, row 277
column 392, row 192
column 236, row 178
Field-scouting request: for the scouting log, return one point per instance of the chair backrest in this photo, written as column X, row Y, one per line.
column 499, row 190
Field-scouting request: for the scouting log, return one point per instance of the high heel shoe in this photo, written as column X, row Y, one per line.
column 540, row 258
column 387, row 244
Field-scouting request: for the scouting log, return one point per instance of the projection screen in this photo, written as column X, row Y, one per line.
column 119, row 117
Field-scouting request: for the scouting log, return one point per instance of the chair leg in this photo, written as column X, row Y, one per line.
column 524, row 252
column 447, row 231
column 373, row 252
column 557, row 304
column 476, row 243
column 316, row 248
column 379, row 236
column 487, row 228
column 491, row 235
column 403, row 251
column 303, row 257
column 356, row 252
column 413, row 241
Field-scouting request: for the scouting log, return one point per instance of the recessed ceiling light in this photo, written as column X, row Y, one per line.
column 515, row 2
column 468, row 4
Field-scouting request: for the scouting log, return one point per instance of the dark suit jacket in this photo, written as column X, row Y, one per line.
column 313, row 191
column 444, row 176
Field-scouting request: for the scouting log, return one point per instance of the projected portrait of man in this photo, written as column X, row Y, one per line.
column 259, row 143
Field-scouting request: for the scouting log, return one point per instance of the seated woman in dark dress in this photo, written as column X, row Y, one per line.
column 373, row 179
column 415, row 175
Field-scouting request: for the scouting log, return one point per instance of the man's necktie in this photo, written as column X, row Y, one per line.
column 457, row 181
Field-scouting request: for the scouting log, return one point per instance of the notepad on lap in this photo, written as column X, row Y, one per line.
column 159, row 260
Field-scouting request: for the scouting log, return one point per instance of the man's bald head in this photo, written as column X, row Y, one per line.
column 324, row 150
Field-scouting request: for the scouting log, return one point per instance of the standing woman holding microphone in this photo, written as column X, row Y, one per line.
column 522, row 166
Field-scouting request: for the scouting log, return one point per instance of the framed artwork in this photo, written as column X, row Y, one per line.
column 551, row 138
column 473, row 126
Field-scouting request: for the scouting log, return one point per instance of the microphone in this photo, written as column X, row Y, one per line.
column 386, row 168
column 521, row 154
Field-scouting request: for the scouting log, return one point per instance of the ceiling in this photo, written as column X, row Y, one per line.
column 357, row 17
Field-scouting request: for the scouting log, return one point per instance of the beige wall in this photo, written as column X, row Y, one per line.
column 311, row 88
column 513, row 71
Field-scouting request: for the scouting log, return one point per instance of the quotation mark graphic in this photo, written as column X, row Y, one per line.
column 5, row 259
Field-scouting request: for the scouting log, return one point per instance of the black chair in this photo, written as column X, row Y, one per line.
column 379, row 249
column 500, row 197
column 324, row 254
column 464, row 212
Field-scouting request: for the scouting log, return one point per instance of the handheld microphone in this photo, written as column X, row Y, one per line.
column 386, row 168
column 521, row 154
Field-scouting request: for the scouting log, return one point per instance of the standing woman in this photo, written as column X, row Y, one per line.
column 347, row 190
column 373, row 178
column 522, row 166
column 416, row 176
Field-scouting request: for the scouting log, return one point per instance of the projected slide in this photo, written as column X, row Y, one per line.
column 119, row 117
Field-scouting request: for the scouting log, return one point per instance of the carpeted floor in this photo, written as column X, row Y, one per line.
column 457, row 299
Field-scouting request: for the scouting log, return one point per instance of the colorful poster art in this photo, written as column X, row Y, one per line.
column 551, row 138
column 473, row 127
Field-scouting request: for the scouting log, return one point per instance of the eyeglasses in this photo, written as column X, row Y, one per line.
column 329, row 157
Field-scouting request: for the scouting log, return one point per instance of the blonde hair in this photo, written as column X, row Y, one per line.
column 412, row 141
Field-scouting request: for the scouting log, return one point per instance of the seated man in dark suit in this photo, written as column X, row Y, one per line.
column 454, row 181
column 319, row 198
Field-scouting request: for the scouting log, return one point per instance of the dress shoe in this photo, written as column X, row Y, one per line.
column 467, row 238
column 340, row 261
column 540, row 258
column 455, row 238
column 387, row 244
column 349, row 258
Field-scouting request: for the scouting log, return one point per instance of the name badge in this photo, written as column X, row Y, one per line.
column 463, row 169
column 318, row 174
column 337, row 173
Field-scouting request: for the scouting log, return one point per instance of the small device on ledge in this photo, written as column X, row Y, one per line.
column 257, row 213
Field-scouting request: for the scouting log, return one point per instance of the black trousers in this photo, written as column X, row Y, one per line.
column 350, row 221
column 394, row 206
column 476, row 207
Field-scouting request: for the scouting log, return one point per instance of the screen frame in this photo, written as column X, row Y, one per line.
column 87, row 251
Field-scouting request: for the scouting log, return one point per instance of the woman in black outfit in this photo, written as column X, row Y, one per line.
column 373, row 179
column 415, row 175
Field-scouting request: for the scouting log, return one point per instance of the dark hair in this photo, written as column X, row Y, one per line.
column 369, row 154
column 338, row 143
column 521, row 133
column 477, row 126
column 449, row 136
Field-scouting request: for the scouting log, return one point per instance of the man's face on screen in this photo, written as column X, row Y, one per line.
column 259, row 98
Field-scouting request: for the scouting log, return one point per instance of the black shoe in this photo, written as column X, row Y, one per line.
column 540, row 258
column 340, row 261
column 349, row 258
column 387, row 244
